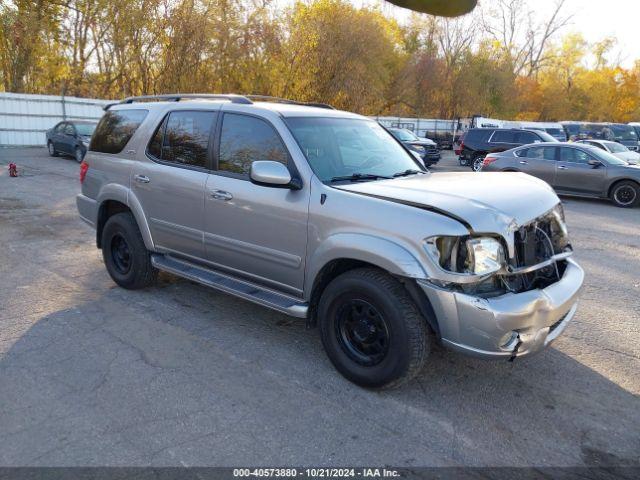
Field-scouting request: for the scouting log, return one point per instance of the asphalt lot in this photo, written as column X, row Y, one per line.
column 178, row 374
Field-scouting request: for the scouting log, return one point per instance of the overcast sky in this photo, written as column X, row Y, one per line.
column 595, row 19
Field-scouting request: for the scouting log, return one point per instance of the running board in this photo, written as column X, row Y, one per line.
column 240, row 288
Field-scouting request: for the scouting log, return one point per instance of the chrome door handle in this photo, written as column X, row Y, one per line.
column 562, row 167
column 141, row 178
column 524, row 162
column 221, row 195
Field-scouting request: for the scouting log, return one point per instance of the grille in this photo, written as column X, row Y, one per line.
column 432, row 150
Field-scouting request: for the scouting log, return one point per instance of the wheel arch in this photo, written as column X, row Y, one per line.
column 619, row 180
column 116, row 199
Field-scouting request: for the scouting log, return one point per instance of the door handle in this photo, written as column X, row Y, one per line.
column 141, row 178
column 562, row 167
column 524, row 162
column 221, row 195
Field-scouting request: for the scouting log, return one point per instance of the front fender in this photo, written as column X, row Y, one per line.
column 383, row 253
column 122, row 194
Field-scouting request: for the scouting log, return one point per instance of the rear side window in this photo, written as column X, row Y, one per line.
column 244, row 140
column 115, row 130
column 183, row 138
column 478, row 135
column 503, row 136
column 542, row 153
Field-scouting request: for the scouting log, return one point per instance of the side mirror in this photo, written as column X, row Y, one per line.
column 272, row 174
column 595, row 163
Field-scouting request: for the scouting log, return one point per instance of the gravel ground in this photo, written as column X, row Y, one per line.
column 178, row 374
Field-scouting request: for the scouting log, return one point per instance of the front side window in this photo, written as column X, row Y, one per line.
column 574, row 155
column 526, row 137
column 60, row 127
column 69, row 130
column 183, row 138
column 343, row 147
column 116, row 129
column 244, row 140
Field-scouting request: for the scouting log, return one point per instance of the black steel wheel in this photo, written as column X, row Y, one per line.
column 125, row 255
column 372, row 330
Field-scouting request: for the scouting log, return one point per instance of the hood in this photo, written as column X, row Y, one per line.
column 424, row 142
column 631, row 157
column 489, row 202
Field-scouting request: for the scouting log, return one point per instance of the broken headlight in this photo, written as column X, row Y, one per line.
column 467, row 255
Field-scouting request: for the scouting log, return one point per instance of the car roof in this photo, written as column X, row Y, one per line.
column 283, row 109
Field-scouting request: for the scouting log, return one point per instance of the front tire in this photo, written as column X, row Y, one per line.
column 125, row 255
column 52, row 149
column 371, row 329
column 625, row 194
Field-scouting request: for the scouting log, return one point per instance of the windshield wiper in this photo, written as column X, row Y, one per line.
column 355, row 177
column 406, row 173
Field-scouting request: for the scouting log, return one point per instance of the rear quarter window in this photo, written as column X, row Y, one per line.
column 116, row 129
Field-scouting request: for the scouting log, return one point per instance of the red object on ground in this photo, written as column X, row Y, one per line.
column 13, row 170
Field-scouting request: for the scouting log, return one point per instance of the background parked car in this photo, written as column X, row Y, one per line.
column 70, row 138
column 427, row 149
column 616, row 149
column 573, row 169
column 554, row 129
column 615, row 132
column 478, row 142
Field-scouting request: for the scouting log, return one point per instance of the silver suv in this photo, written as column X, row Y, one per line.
column 324, row 215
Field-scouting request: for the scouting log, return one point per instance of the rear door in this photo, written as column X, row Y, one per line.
column 575, row 175
column 170, row 187
column 539, row 162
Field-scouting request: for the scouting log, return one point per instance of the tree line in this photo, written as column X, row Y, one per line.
column 501, row 61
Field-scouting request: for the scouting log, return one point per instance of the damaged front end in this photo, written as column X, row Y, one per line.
column 504, row 295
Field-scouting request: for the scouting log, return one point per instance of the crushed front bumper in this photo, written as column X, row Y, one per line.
column 514, row 324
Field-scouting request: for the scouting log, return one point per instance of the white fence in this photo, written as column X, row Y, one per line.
column 25, row 118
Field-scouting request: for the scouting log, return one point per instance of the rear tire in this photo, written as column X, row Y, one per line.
column 371, row 329
column 625, row 194
column 52, row 149
column 125, row 255
column 476, row 164
column 77, row 154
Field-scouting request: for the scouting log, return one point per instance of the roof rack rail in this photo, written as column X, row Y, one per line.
column 268, row 98
column 176, row 97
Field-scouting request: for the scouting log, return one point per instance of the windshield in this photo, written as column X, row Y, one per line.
column 546, row 137
column 556, row 132
column 607, row 157
column 623, row 133
column 343, row 147
column 616, row 147
column 85, row 129
column 405, row 135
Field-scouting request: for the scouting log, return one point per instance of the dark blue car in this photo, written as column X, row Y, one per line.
column 70, row 138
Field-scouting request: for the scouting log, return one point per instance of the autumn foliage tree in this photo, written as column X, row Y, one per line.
column 503, row 60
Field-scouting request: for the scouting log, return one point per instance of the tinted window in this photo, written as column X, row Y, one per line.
column 568, row 154
column 542, row 153
column 183, row 137
column 60, row 127
column 246, row 139
column 526, row 137
column 503, row 136
column 116, row 129
column 69, row 130
column 85, row 128
column 477, row 135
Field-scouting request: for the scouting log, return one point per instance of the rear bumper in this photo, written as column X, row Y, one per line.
column 88, row 209
column 494, row 327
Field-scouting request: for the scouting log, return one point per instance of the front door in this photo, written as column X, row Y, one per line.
column 575, row 175
column 254, row 231
column 170, row 186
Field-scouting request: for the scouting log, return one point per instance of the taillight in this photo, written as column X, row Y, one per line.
column 84, row 166
column 488, row 161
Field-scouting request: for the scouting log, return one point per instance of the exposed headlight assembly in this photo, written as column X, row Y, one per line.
column 478, row 256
